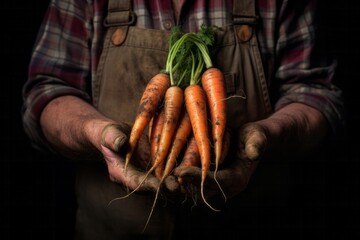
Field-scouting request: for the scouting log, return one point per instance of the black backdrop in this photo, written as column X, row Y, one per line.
column 36, row 193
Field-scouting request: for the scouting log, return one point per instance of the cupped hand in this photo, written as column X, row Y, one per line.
column 247, row 147
column 113, row 148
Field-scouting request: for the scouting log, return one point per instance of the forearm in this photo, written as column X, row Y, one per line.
column 73, row 127
column 295, row 129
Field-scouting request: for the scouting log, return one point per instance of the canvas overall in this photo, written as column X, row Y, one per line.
column 130, row 57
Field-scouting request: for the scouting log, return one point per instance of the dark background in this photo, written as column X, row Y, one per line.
column 36, row 192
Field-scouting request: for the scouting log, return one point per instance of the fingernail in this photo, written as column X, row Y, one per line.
column 119, row 142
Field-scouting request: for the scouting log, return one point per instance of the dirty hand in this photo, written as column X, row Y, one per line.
column 247, row 146
column 113, row 148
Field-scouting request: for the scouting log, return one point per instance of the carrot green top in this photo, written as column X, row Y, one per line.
column 188, row 55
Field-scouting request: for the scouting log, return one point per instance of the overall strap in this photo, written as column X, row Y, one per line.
column 119, row 13
column 244, row 12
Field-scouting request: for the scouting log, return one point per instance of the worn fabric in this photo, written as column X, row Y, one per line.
column 67, row 51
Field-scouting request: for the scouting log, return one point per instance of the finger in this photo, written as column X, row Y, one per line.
column 172, row 184
column 192, row 175
column 143, row 181
column 111, row 158
column 190, row 179
column 112, row 137
column 114, row 164
column 189, row 175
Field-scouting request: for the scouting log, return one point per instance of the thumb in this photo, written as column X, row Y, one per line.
column 113, row 137
column 255, row 145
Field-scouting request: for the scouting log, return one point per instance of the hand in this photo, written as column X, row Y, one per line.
column 113, row 147
column 234, row 175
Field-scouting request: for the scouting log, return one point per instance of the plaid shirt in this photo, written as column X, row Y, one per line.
column 68, row 47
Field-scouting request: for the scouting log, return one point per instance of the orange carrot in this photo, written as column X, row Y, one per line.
column 191, row 156
column 155, row 129
column 172, row 108
column 183, row 131
column 213, row 83
column 214, row 90
column 195, row 102
column 173, row 104
column 151, row 99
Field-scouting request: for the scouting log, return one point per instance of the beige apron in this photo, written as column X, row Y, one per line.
column 130, row 57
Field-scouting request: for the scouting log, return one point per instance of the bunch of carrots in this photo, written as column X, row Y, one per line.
column 176, row 105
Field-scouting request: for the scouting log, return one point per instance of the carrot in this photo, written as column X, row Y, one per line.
column 195, row 102
column 183, row 130
column 160, row 88
column 180, row 139
column 195, row 98
column 191, row 156
column 151, row 99
column 184, row 51
column 174, row 99
column 213, row 83
column 172, row 108
column 155, row 129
